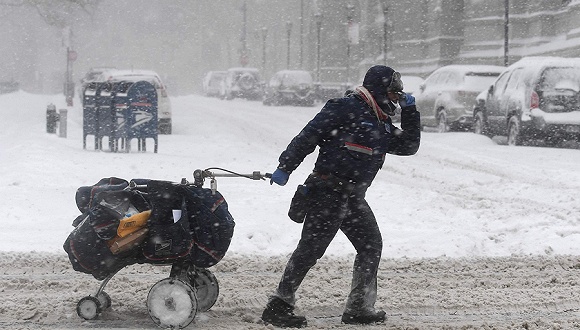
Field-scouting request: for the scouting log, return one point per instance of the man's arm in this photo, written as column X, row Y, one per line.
column 311, row 135
column 406, row 140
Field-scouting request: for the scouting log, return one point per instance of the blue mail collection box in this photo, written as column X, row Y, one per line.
column 122, row 111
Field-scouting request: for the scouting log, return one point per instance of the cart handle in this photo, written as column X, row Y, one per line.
column 200, row 175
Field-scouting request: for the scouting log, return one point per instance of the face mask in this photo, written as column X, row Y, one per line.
column 390, row 108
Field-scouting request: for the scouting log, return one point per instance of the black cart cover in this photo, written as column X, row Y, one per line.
column 187, row 223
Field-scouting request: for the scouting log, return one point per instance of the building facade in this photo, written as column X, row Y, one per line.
column 420, row 36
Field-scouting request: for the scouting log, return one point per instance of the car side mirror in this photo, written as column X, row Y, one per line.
column 490, row 90
column 422, row 87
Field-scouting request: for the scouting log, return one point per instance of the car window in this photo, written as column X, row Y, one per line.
column 454, row 78
column 478, row 81
column 556, row 76
column 297, row 78
column 442, row 79
column 154, row 80
column 514, row 82
column 238, row 74
column 92, row 75
column 501, row 82
column 436, row 81
column 216, row 78
column 431, row 80
column 275, row 81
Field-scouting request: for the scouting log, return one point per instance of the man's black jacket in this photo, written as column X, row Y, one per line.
column 352, row 140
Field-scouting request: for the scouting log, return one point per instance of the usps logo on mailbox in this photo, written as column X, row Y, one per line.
column 142, row 116
column 143, row 110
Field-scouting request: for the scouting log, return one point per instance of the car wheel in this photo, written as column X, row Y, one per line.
column 164, row 127
column 442, row 126
column 479, row 124
column 246, row 82
column 514, row 135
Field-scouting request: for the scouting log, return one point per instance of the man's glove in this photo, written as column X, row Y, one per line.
column 279, row 177
column 407, row 101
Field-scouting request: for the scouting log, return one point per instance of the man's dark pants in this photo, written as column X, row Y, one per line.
column 331, row 210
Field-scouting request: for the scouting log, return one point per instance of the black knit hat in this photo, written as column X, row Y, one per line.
column 378, row 79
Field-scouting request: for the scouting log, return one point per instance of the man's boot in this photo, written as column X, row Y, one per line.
column 281, row 314
column 364, row 318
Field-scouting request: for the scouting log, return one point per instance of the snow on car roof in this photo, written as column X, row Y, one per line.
column 293, row 72
column 543, row 61
column 243, row 69
column 467, row 68
column 294, row 76
column 216, row 73
column 130, row 73
column 297, row 74
column 532, row 65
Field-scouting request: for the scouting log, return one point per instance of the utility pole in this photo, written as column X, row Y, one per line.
column 349, row 18
column 71, row 56
column 506, row 33
column 244, row 50
column 264, row 35
column 318, row 19
column 289, row 31
column 385, row 30
column 301, row 33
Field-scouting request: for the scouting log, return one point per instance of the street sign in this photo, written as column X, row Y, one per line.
column 72, row 55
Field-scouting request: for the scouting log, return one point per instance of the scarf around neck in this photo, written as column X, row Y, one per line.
column 370, row 100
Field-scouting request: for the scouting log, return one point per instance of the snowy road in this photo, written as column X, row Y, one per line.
column 41, row 292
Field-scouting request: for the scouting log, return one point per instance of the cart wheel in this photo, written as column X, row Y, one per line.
column 89, row 308
column 172, row 303
column 104, row 299
column 206, row 288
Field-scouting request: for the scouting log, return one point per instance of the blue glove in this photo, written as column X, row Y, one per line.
column 407, row 101
column 279, row 177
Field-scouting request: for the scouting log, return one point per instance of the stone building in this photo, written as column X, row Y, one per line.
column 423, row 35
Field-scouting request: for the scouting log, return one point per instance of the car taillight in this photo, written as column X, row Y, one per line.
column 534, row 100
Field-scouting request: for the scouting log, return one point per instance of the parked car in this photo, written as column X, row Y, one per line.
column 244, row 83
column 214, row 84
column 92, row 75
column 330, row 90
column 163, row 102
column 412, row 84
column 293, row 87
column 534, row 98
column 446, row 98
column 9, row 86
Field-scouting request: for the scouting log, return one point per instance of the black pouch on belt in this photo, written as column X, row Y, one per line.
column 300, row 204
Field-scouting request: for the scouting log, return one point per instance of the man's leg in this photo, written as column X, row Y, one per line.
column 320, row 227
column 360, row 226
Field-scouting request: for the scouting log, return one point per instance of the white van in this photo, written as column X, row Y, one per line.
column 163, row 103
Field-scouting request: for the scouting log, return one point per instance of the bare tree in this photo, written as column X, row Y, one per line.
column 56, row 13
